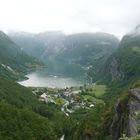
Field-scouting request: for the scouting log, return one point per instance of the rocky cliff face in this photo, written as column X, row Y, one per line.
column 123, row 64
column 134, row 113
column 127, row 116
column 115, row 70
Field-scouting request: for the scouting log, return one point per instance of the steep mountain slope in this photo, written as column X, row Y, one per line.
column 124, row 64
column 13, row 61
column 28, row 43
column 89, row 51
column 126, row 118
column 73, row 54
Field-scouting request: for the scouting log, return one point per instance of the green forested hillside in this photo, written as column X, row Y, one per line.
column 22, row 116
column 23, row 124
column 14, row 62
column 124, row 63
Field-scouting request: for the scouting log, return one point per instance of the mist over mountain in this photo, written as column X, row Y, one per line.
column 68, row 54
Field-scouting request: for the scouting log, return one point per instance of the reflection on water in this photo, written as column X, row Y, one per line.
column 43, row 80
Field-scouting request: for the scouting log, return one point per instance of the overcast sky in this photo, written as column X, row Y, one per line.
column 113, row 16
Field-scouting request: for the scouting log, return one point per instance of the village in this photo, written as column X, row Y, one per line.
column 68, row 99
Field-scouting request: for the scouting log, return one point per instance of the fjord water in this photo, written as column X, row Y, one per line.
column 43, row 79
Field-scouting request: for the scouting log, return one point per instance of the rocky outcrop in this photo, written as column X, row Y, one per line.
column 120, row 121
column 126, row 119
column 134, row 112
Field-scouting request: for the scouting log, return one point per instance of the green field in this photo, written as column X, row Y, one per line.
column 96, row 90
column 93, row 99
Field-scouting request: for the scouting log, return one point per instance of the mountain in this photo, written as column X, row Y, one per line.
column 28, row 43
column 14, row 62
column 37, row 44
column 124, row 63
column 127, row 69
column 71, row 55
column 89, row 50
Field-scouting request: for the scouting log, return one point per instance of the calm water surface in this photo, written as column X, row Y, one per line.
column 40, row 79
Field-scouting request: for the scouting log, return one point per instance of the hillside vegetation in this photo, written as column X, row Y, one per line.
column 24, row 117
column 124, row 64
column 14, row 62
